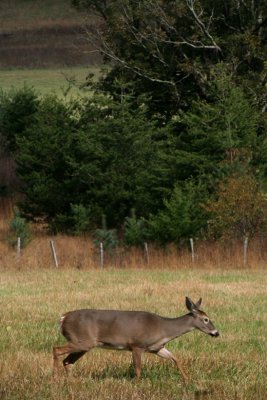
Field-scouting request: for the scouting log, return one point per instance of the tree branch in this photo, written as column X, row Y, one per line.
column 151, row 27
column 105, row 49
column 190, row 4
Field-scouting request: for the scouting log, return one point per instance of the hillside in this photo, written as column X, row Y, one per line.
column 41, row 34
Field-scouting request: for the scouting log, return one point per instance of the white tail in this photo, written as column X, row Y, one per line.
column 135, row 331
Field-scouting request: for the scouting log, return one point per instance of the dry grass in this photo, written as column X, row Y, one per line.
column 81, row 253
column 33, row 294
column 229, row 368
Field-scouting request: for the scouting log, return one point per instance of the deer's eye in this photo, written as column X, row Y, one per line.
column 206, row 320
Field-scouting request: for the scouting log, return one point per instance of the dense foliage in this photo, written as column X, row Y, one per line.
column 167, row 48
column 96, row 154
column 170, row 131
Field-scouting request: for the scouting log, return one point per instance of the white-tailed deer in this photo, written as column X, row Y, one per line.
column 135, row 331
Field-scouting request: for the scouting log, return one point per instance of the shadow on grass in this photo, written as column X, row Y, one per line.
column 201, row 394
column 154, row 373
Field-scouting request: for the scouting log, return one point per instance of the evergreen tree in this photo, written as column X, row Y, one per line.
column 114, row 159
column 182, row 216
column 42, row 161
column 17, row 111
column 216, row 138
column 95, row 153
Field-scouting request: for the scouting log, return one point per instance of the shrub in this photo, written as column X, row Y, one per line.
column 240, row 209
column 19, row 229
column 80, row 219
column 182, row 216
column 106, row 236
column 135, row 231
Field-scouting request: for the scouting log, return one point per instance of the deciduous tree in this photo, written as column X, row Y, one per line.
column 167, row 48
column 239, row 210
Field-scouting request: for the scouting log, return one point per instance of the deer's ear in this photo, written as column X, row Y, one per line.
column 189, row 304
column 192, row 307
column 198, row 304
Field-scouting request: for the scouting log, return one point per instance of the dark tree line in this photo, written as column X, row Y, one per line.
column 180, row 114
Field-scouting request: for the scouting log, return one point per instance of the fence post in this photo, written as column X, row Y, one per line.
column 146, row 252
column 245, row 254
column 101, row 255
column 18, row 248
column 54, row 253
column 192, row 250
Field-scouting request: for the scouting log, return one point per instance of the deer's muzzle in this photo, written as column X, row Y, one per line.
column 214, row 334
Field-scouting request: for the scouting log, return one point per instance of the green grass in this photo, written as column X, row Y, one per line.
column 228, row 368
column 47, row 81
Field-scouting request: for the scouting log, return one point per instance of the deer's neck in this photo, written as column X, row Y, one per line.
column 179, row 326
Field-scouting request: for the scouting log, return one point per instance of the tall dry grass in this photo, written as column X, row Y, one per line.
column 82, row 253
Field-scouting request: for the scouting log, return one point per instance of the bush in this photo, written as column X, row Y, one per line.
column 80, row 219
column 240, row 209
column 135, row 231
column 17, row 111
column 106, row 236
column 19, row 229
column 182, row 216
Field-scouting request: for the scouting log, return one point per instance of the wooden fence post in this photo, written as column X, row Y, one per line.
column 54, row 253
column 245, row 252
column 192, row 250
column 101, row 255
column 146, row 253
column 18, row 248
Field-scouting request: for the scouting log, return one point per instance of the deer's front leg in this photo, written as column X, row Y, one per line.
column 71, row 359
column 137, row 353
column 164, row 353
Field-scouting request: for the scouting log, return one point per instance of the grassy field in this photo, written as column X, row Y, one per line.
column 42, row 43
column 228, row 368
column 17, row 14
column 44, row 34
column 47, row 81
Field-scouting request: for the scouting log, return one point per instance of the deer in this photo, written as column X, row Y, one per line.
column 135, row 331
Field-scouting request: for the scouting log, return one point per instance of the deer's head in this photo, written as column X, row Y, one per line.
column 201, row 320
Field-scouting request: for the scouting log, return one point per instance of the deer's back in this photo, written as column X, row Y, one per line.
column 111, row 328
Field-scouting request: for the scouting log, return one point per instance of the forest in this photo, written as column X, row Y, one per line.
column 170, row 141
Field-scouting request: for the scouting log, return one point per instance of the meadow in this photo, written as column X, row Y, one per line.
column 230, row 367
column 17, row 14
column 60, row 81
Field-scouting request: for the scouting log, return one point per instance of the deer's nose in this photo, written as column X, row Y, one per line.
column 214, row 334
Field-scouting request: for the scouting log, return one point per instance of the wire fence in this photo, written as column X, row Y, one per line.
column 81, row 253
